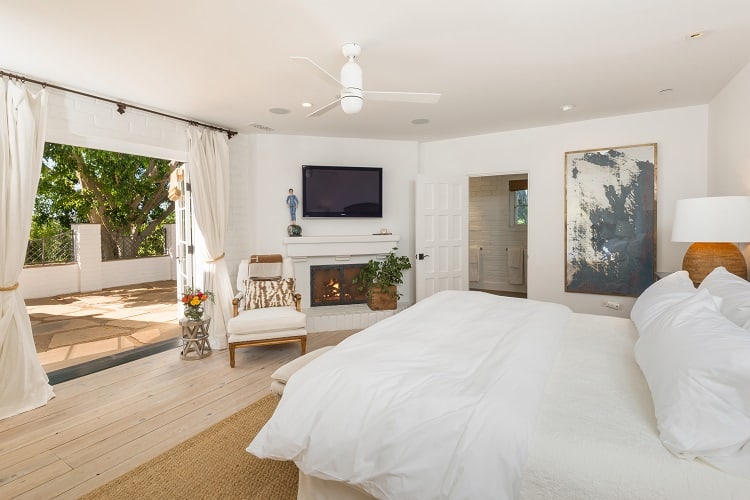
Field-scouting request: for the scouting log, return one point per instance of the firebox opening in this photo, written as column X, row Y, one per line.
column 332, row 285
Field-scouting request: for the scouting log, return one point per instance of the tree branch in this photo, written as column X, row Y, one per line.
column 153, row 225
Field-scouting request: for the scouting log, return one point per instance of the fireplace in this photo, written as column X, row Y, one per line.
column 332, row 285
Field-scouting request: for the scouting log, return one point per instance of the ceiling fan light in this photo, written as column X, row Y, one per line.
column 351, row 75
column 351, row 104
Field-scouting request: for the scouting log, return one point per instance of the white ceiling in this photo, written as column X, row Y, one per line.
column 499, row 64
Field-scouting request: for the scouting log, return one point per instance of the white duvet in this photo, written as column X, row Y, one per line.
column 437, row 401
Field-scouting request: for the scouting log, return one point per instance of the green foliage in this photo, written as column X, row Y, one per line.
column 49, row 228
column 383, row 274
column 521, row 206
column 126, row 194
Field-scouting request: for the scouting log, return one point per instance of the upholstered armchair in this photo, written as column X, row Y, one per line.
column 266, row 309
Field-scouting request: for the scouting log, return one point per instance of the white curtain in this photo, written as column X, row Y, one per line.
column 208, row 171
column 23, row 383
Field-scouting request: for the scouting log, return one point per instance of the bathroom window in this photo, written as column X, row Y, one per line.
column 519, row 202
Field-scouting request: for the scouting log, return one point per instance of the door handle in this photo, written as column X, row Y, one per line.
column 422, row 256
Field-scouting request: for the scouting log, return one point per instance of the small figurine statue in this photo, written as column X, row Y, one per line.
column 292, row 202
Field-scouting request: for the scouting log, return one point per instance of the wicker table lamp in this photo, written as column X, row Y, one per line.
column 713, row 225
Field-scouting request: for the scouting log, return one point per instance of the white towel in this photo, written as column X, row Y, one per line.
column 515, row 266
column 473, row 263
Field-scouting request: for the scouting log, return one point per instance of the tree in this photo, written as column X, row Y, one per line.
column 126, row 194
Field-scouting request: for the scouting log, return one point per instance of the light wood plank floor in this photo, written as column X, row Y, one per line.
column 105, row 424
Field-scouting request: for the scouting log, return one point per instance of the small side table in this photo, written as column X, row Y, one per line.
column 195, row 338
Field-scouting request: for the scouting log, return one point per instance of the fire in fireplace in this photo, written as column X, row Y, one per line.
column 332, row 285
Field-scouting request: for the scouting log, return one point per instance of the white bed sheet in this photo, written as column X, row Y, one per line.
column 435, row 402
column 596, row 435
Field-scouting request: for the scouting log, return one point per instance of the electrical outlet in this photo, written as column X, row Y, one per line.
column 612, row 305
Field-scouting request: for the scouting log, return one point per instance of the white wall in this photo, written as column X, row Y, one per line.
column 681, row 135
column 259, row 211
column 240, row 233
column 728, row 138
column 82, row 121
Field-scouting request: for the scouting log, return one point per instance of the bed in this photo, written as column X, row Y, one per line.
column 532, row 401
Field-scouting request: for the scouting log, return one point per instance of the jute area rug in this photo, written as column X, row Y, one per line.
column 211, row 465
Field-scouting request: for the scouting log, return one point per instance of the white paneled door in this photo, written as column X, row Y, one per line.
column 441, row 234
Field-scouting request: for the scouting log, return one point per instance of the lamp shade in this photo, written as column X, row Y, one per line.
column 712, row 219
column 714, row 225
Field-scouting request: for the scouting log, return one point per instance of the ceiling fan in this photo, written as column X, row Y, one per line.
column 352, row 94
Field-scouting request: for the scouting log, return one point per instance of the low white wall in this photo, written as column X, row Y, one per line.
column 140, row 270
column 57, row 279
column 48, row 281
column 89, row 273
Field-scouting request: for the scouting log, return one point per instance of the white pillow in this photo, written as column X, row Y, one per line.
column 664, row 293
column 697, row 364
column 285, row 372
column 735, row 293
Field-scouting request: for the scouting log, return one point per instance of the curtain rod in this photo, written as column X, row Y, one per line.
column 121, row 106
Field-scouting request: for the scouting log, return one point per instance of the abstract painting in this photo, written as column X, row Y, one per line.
column 610, row 220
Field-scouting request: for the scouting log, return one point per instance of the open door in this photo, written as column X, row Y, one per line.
column 183, row 210
column 441, row 234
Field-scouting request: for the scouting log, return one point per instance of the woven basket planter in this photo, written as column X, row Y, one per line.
column 382, row 300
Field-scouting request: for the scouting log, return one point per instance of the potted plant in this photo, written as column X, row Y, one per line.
column 379, row 279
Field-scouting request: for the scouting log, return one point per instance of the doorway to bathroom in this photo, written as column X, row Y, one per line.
column 498, row 234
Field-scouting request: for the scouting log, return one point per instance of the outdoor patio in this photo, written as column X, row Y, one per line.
column 74, row 328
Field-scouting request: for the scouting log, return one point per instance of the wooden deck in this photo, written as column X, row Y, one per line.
column 102, row 425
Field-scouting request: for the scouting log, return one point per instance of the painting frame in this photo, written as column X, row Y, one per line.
column 610, row 219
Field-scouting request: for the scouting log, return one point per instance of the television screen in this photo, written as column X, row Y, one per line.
column 342, row 191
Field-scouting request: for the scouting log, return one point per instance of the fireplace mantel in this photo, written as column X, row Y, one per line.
column 335, row 246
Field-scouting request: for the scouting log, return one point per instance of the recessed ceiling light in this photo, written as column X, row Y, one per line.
column 695, row 35
column 307, row 105
column 567, row 107
column 279, row 111
column 420, row 121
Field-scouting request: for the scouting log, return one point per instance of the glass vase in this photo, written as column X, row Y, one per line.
column 194, row 313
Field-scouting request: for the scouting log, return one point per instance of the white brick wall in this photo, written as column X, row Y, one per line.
column 82, row 121
column 489, row 228
column 88, row 253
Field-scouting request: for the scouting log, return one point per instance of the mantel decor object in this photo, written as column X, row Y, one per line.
column 292, row 202
column 610, row 220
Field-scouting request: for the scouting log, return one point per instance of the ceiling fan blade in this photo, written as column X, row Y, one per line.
column 303, row 58
column 420, row 97
column 324, row 109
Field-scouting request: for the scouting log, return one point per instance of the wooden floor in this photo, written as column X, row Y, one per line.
column 102, row 425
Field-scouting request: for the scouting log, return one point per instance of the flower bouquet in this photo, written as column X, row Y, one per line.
column 193, row 301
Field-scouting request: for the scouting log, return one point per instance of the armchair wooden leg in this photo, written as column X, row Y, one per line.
column 303, row 342
column 231, row 356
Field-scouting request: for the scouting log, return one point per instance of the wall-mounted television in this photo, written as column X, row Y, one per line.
column 342, row 191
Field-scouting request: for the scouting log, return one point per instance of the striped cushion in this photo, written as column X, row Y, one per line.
column 269, row 293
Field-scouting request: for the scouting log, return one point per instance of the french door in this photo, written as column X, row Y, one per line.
column 183, row 210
